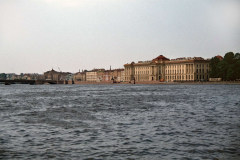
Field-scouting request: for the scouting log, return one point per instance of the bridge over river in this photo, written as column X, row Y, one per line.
column 32, row 82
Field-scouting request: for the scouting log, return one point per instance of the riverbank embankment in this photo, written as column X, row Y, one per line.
column 163, row 83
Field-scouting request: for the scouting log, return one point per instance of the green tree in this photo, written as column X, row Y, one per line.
column 230, row 73
column 3, row 76
column 214, row 72
column 228, row 68
column 222, row 68
column 237, row 66
column 229, row 58
column 237, row 56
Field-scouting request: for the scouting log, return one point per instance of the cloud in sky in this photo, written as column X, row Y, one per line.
column 65, row 3
column 36, row 35
column 72, row 3
column 226, row 14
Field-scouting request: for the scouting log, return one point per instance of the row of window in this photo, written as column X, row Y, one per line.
column 201, row 70
column 138, row 68
column 173, row 71
column 201, row 77
column 187, row 71
column 141, row 72
column 175, row 66
column 187, row 65
column 202, row 65
column 178, row 69
column 187, row 77
column 142, row 77
column 174, row 77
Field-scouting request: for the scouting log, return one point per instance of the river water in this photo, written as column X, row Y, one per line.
column 120, row 122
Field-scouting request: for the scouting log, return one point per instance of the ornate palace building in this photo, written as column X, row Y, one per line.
column 164, row 69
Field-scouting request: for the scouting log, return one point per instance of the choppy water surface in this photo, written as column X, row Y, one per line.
column 120, row 122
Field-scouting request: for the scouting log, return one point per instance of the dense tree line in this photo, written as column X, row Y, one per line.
column 3, row 76
column 227, row 68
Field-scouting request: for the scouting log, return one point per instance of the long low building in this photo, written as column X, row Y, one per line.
column 100, row 75
column 164, row 69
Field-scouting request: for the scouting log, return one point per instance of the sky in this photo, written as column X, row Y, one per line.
column 71, row 35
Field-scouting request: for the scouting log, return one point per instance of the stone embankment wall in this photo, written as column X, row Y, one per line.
column 156, row 82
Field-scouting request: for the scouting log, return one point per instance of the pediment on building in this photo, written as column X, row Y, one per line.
column 160, row 58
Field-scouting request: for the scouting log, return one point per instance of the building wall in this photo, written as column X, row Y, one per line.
column 54, row 75
column 107, row 76
column 100, row 75
column 202, row 71
column 129, row 72
column 80, row 76
column 179, row 72
column 142, row 72
column 187, row 71
column 122, row 79
column 117, row 74
column 91, row 76
column 110, row 75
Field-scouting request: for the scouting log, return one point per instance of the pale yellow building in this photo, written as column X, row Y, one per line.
column 91, row 76
column 164, row 69
column 80, row 76
column 122, row 78
column 187, row 69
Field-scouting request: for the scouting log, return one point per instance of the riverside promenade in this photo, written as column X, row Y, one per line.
column 42, row 82
column 188, row 82
column 160, row 83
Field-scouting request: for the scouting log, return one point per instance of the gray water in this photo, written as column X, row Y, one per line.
column 120, row 122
